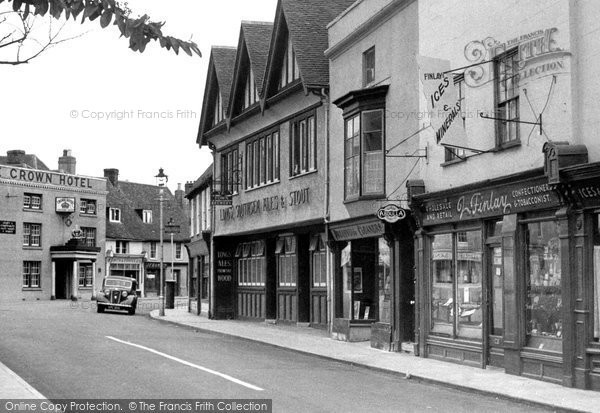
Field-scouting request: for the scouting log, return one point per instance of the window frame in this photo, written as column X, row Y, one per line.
column 147, row 216
column 27, row 275
column 502, row 143
column 89, row 236
column 288, row 77
column 303, row 146
column 114, row 214
column 230, row 177
column 88, row 206
column 368, row 73
column 152, row 252
column 28, row 228
column 178, row 249
column 85, row 277
column 121, row 247
column 262, row 165
column 28, row 203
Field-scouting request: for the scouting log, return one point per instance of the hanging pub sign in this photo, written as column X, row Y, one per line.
column 8, row 227
column 391, row 213
column 65, row 204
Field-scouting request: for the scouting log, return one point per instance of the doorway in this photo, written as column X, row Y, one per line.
column 64, row 271
column 495, row 288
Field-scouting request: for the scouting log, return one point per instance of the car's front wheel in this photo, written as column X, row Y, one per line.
column 131, row 311
column 100, row 308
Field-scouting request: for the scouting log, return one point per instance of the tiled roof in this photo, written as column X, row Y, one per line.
column 26, row 161
column 224, row 62
column 132, row 198
column 307, row 24
column 200, row 183
column 258, row 37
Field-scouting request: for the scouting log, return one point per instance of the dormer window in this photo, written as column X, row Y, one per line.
column 289, row 66
column 147, row 216
column 250, row 91
column 218, row 109
column 114, row 215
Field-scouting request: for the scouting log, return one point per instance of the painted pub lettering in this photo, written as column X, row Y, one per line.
column 49, row 178
column 224, row 266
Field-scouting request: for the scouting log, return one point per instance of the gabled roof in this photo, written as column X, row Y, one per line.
column 254, row 41
column 306, row 22
column 131, row 198
column 202, row 182
column 219, row 77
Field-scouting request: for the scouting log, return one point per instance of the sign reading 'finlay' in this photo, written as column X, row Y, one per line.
column 45, row 177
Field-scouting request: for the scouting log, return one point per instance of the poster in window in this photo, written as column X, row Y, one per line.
column 357, row 280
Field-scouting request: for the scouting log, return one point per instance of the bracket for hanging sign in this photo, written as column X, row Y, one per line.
column 481, row 115
column 424, row 151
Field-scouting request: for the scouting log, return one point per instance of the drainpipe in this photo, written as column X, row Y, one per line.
column 211, row 272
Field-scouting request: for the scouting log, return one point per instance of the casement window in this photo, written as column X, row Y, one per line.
column 32, row 202
column 153, row 250
column 147, row 216
column 289, row 66
column 506, row 67
column 318, row 261
column 32, row 234
column 85, row 275
column 364, row 154
column 218, row 115
column 87, row 206
column 230, row 172
column 262, row 160
column 368, row 66
column 177, row 250
column 251, row 264
column 456, row 285
column 122, row 247
column 31, row 274
column 287, row 261
column 89, row 236
column 114, row 215
column 250, row 90
column 458, row 154
column 303, row 144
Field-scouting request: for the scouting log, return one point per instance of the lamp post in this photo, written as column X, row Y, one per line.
column 161, row 181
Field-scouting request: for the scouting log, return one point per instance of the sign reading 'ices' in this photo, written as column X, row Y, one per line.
column 509, row 199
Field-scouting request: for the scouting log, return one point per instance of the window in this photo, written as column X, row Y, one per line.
column 303, row 156
column 287, row 260
column 319, row 261
column 122, row 247
column 218, row 109
column 289, row 66
column 32, row 201
column 177, row 250
column 89, row 236
column 507, row 96
column 250, row 91
column 369, row 66
column 230, row 172
column 456, row 285
column 456, row 154
column 544, row 293
column 153, row 250
column 147, row 216
column 596, row 252
column 85, row 275
column 262, row 160
column 31, row 274
column 87, row 206
column 114, row 215
column 252, row 264
column 32, row 234
column 363, row 154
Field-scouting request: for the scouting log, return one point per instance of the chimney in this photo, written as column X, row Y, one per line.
column 67, row 163
column 188, row 186
column 112, row 175
column 16, row 157
column 179, row 194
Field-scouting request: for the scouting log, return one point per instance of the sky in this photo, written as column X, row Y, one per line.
column 115, row 108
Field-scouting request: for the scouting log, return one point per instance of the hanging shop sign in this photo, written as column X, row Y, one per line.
column 64, row 204
column 8, row 227
column 293, row 199
column 391, row 213
column 366, row 230
column 528, row 195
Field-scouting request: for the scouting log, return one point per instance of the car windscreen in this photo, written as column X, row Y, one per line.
column 117, row 283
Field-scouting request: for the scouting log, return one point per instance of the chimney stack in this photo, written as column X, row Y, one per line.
column 67, row 163
column 179, row 194
column 16, row 157
column 112, row 175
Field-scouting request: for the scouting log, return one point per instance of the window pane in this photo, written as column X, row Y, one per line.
column 276, row 155
column 544, row 301
column 442, row 291
column 250, row 165
column 469, row 269
column 312, row 144
column 262, row 161
column 269, row 158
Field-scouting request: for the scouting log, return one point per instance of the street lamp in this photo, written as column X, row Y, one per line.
column 161, row 181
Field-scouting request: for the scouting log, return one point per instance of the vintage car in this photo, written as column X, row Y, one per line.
column 117, row 293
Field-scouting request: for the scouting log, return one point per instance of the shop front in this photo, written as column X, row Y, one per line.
column 373, row 282
column 199, row 272
column 494, row 276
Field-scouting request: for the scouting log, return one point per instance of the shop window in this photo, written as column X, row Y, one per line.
column 31, row 274
column 252, row 264
column 369, row 67
column 303, row 136
column 89, row 236
column 456, row 290
column 153, row 250
column 87, row 206
column 32, row 234
column 319, row 261
column 178, row 250
column 32, row 202
column 262, row 160
column 287, row 260
column 114, row 215
column 543, row 293
column 507, row 97
column 363, row 154
column 85, row 275
column 122, row 247
column 596, row 241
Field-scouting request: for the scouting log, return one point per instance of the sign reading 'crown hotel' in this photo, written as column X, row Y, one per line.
column 45, row 177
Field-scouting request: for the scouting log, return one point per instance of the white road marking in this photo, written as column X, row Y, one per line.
column 187, row 363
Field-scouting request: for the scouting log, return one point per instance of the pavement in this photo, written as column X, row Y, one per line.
column 490, row 381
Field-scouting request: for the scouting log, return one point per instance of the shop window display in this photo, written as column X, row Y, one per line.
column 543, row 300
